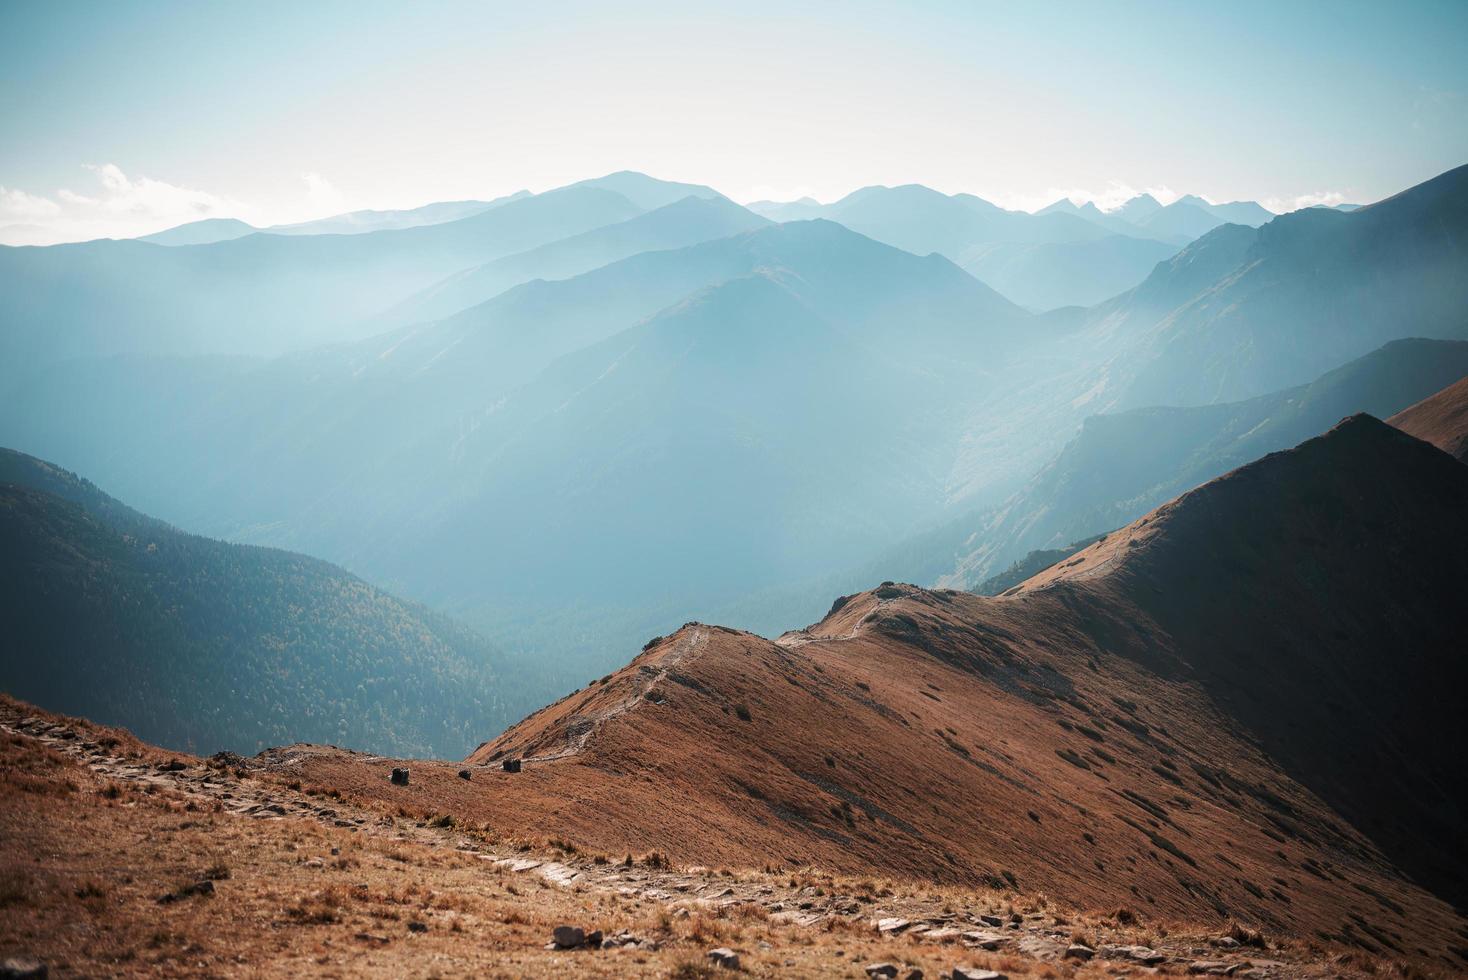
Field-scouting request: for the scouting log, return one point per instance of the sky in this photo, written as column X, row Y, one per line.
column 123, row 118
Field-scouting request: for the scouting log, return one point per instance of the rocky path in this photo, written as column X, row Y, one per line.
column 801, row 900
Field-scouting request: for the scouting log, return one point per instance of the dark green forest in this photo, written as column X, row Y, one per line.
column 203, row 645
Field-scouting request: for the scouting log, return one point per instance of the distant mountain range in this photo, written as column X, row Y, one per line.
column 1058, row 256
column 212, row 230
column 504, row 461
column 205, row 645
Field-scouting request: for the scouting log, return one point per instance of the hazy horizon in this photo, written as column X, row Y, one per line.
column 382, row 107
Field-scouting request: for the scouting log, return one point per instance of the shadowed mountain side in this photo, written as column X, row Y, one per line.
column 206, row 645
column 1441, row 420
column 1347, row 554
column 682, row 223
column 1121, row 465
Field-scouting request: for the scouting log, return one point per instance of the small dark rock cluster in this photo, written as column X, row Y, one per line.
column 574, row 937
column 400, row 777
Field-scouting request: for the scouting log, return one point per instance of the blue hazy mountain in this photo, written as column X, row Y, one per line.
column 647, row 192
column 1238, row 313
column 259, row 294
column 362, row 222
column 1249, row 213
column 684, row 222
column 922, row 220
column 1088, row 210
column 1053, row 274
column 1179, row 222
column 212, row 230
column 472, row 428
column 204, row 645
column 431, row 457
column 801, row 209
column 1304, row 293
column 204, row 232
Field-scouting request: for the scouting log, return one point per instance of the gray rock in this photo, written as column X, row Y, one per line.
column 510, row 765
column 568, row 937
column 465, row 774
column 20, row 968
column 724, row 957
column 1213, row 967
column 983, row 940
column 991, row 920
column 974, row 973
column 1079, row 951
column 892, row 925
column 884, row 970
column 399, row 777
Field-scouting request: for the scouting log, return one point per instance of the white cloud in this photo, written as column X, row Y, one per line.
column 1283, row 205
column 122, row 207
column 15, row 203
column 322, row 196
column 1113, row 195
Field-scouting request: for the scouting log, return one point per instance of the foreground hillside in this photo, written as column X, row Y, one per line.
column 1113, row 732
column 198, row 643
column 1441, row 420
column 128, row 861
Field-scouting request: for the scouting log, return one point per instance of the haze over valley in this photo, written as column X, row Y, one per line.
column 977, row 492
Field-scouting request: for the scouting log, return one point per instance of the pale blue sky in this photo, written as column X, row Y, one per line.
column 119, row 118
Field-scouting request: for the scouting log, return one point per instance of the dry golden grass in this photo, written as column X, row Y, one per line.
column 88, row 856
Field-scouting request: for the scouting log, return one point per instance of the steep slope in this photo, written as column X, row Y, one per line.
column 1047, row 276
column 201, row 232
column 260, row 294
column 1347, row 552
column 206, row 645
column 1114, row 733
column 684, row 222
column 1120, row 466
column 1441, row 420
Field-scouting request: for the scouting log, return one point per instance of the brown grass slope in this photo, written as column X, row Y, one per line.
column 1240, row 706
column 1441, row 420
